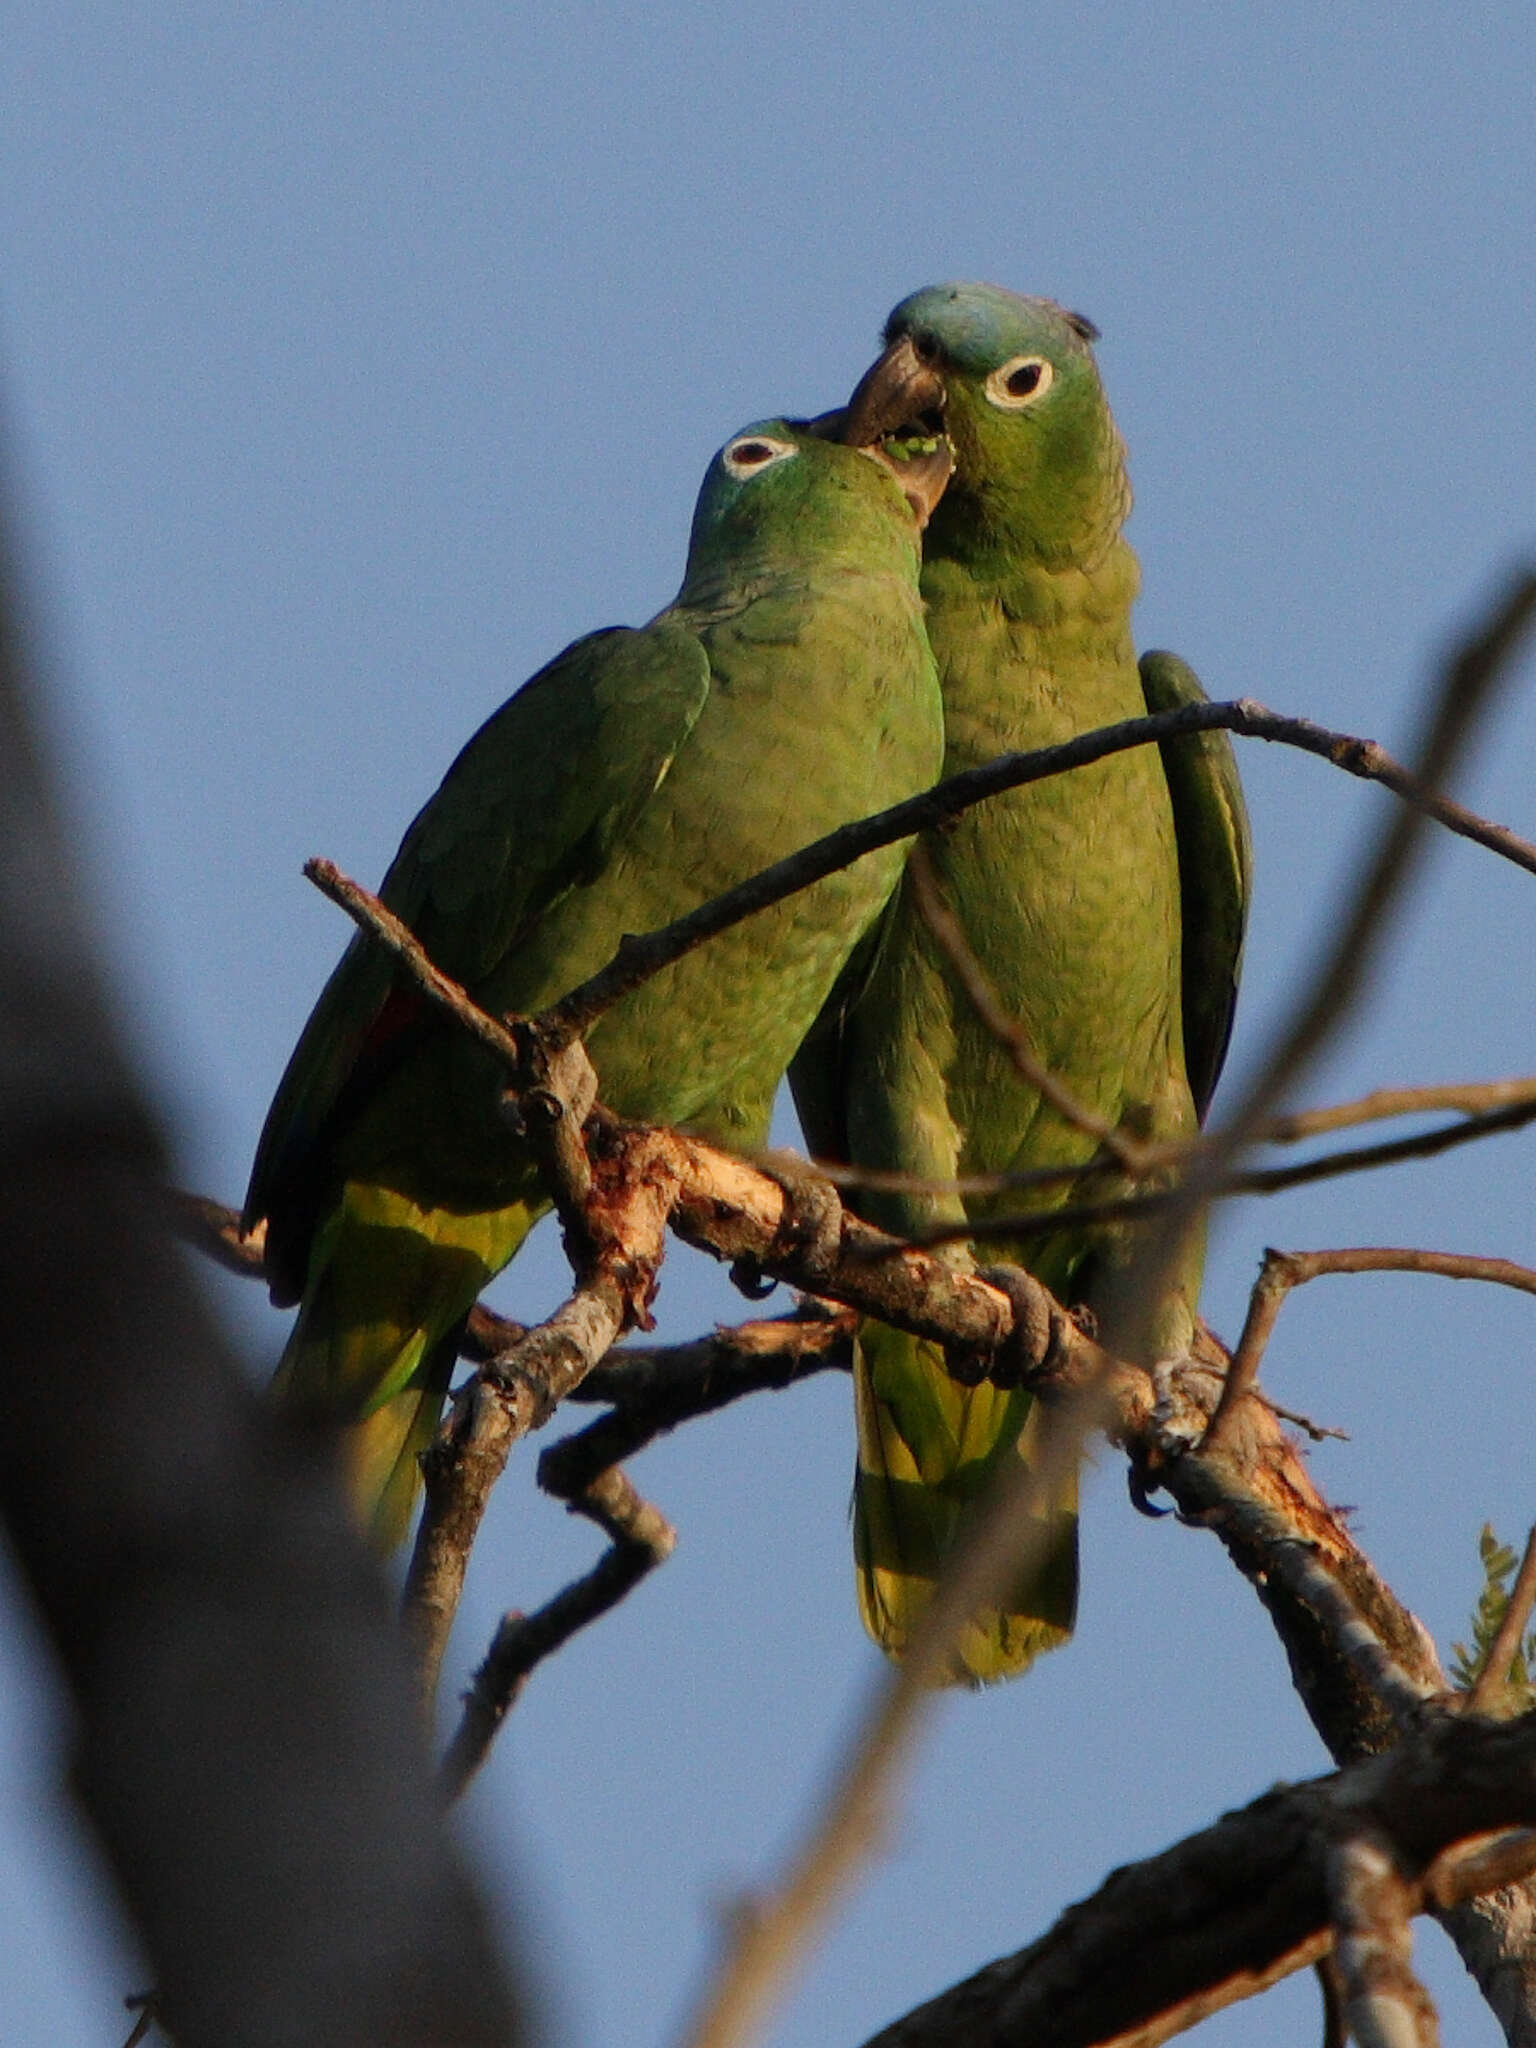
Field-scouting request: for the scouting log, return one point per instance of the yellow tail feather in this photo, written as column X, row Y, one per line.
column 373, row 1347
column 928, row 1447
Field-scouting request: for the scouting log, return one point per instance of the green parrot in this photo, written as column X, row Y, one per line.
column 1106, row 908
column 787, row 689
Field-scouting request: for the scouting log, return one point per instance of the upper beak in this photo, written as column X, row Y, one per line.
column 894, row 392
column 902, row 395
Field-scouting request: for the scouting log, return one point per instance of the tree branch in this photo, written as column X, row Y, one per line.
column 241, row 1734
column 638, row 959
column 652, row 1391
column 1223, row 1185
column 642, row 1538
column 1281, row 1271
column 624, row 1219
column 1493, row 1681
column 1471, row 1098
column 1231, row 1910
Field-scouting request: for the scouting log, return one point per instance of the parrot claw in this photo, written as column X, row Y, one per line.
column 967, row 1368
column 748, row 1278
column 1141, row 1486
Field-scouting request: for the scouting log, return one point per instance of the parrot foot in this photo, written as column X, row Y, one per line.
column 1038, row 1328
column 1178, row 1424
column 811, row 1230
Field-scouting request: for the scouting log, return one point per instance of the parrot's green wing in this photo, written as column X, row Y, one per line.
column 817, row 1073
column 531, row 809
column 788, row 687
column 1210, row 822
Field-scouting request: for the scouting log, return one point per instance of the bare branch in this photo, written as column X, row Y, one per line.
column 1372, row 1909
column 240, row 1732
column 1485, row 1863
column 655, row 1390
column 770, row 1937
column 1229, row 1911
column 638, row 959
column 214, row 1230
column 1472, row 1098
column 1463, row 692
column 1361, row 1663
column 625, row 1222
column 642, row 1538
column 372, row 916
column 1223, row 1185
column 1281, row 1271
column 1493, row 1681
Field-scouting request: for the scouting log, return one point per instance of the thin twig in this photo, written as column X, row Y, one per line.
column 369, row 914
column 1471, row 1099
column 1262, row 1180
column 1002, row 1540
column 1493, row 1680
column 214, row 1229
column 638, row 959
column 1264, row 1306
column 641, row 1538
column 148, row 2004
column 949, row 935
column 1464, row 690
column 655, row 1391
column 1281, row 1271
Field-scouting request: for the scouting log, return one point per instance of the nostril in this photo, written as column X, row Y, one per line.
column 924, row 347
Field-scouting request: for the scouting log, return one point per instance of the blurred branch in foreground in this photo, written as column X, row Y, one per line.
column 246, row 1746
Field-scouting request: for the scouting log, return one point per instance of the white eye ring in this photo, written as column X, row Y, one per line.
column 1021, row 381
column 753, row 452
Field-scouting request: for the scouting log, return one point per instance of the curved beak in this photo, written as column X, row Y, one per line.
column 898, row 393
column 895, row 416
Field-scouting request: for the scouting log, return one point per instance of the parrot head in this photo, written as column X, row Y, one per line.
column 1012, row 383
column 781, row 489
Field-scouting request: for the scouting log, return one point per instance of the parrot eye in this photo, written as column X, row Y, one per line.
column 1019, row 382
column 753, row 452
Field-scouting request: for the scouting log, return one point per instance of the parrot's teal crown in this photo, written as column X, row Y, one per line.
column 1013, row 385
column 975, row 326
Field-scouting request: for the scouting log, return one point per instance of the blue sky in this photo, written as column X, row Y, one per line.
column 356, row 358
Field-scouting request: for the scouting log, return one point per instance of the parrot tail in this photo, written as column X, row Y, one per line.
column 372, row 1350
column 927, row 1448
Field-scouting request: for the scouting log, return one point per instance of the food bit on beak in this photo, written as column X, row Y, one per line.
column 896, row 416
column 900, row 394
column 922, row 466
